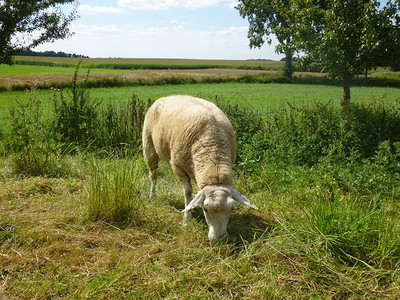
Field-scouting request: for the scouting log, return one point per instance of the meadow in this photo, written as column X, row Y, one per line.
column 76, row 222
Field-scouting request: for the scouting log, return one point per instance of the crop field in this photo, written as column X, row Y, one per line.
column 76, row 221
column 154, row 61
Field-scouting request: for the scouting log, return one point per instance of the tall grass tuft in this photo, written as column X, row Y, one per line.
column 115, row 191
column 353, row 231
column 120, row 127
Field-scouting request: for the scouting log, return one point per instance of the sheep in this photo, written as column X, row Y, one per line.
column 198, row 141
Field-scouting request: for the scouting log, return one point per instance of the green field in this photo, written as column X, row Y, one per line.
column 76, row 221
column 17, row 70
column 257, row 95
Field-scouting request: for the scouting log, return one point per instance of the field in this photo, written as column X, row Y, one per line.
column 76, row 222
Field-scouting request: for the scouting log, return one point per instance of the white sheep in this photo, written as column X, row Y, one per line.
column 199, row 142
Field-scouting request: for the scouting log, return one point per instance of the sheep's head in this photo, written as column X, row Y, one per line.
column 217, row 202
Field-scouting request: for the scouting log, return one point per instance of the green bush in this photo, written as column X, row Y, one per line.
column 34, row 151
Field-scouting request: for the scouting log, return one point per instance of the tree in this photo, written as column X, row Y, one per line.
column 25, row 24
column 264, row 19
column 347, row 37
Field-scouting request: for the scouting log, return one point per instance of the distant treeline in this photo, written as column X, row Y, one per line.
column 50, row 54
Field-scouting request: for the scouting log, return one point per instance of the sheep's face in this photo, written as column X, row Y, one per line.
column 217, row 202
column 217, row 207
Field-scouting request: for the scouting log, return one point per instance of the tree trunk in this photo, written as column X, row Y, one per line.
column 345, row 104
column 288, row 68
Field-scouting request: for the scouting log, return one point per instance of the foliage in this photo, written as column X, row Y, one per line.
column 346, row 37
column 80, row 121
column 265, row 19
column 29, row 18
column 50, row 54
column 306, row 135
column 30, row 141
column 76, row 119
column 395, row 66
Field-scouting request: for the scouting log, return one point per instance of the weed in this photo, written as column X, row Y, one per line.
column 34, row 150
column 76, row 119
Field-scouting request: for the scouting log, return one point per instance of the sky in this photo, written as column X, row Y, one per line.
column 192, row 29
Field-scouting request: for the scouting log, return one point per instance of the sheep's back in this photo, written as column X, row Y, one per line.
column 179, row 123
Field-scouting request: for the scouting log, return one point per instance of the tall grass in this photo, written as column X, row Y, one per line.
column 115, row 191
column 80, row 121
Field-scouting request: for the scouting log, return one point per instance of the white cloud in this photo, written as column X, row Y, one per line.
column 169, row 41
column 166, row 4
column 103, row 29
column 87, row 9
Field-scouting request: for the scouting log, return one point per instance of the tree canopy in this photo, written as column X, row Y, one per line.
column 346, row 37
column 265, row 19
column 25, row 24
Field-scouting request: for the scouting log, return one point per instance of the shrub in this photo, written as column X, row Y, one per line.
column 34, row 150
column 120, row 128
column 395, row 66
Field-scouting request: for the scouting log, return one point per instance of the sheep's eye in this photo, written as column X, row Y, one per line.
column 232, row 208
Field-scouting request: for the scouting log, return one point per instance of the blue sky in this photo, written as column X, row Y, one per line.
column 198, row 29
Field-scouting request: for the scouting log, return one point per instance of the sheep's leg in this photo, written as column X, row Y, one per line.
column 151, row 158
column 187, row 191
column 153, row 174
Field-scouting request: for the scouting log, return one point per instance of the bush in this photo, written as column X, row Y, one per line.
column 34, row 150
column 395, row 67
column 306, row 135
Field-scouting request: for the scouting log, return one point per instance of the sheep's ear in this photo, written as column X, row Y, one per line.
column 197, row 201
column 241, row 199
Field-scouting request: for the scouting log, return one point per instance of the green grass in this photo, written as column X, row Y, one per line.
column 326, row 184
column 256, row 95
column 259, row 96
column 15, row 70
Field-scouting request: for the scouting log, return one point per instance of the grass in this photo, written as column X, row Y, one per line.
column 326, row 185
column 253, row 94
column 16, row 70
column 50, row 249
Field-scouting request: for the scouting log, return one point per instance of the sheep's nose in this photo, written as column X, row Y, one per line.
column 213, row 237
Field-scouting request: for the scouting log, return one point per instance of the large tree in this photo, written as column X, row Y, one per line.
column 25, row 24
column 346, row 37
column 265, row 20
